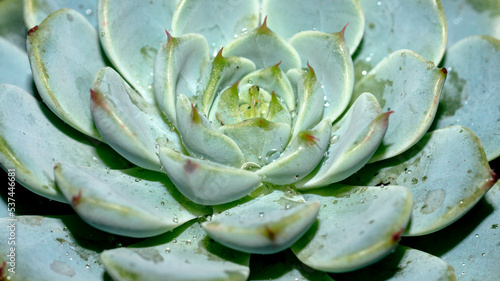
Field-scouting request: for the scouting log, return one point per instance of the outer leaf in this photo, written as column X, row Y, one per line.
column 134, row 203
column 206, row 182
column 329, row 56
column 219, row 22
column 185, row 254
column 12, row 25
column 356, row 226
column 470, row 97
column 47, row 249
column 119, row 22
column 265, row 225
column 404, row 264
column 471, row 244
column 407, row 84
column 354, row 140
column 202, row 140
column 444, row 183
column 65, row 54
column 265, row 48
column 33, row 140
column 133, row 127
column 35, row 11
column 15, row 66
column 178, row 66
column 467, row 18
column 300, row 157
column 390, row 26
column 290, row 17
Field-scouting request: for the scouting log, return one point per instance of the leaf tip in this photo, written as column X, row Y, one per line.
column 342, row 32
column 396, row 236
column 75, row 200
column 32, row 30
column 444, row 71
column 195, row 117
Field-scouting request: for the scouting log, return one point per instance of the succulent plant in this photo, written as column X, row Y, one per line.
column 247, row 139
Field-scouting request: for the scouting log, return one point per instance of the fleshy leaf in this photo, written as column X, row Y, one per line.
column 12, row 25
column 332, row 63
column 202, row 139
column 184, row 254
column 302, row 155
column 264, row 47
column 391, row 26
column 283, row 266
column 354, row 140
column 178, row 66
column 65, row 54
column 16, row 68
column 133, row 127
column 356, row 226
column 220, row 73
column 259, row 139
column 62, row 248
column 206, row 182
column 470, row 244
column 409, row 264
column 310, row 102
column 470, row 96
column 119, row 22
column 35, row 11
column 33, row 140
column 219, row 22
column 467, row 18
column 134, row 202
column 264, row 225
column 272, row 79
column 407, row 84
column 226, row 108
column 290, row 17
column 444, row 183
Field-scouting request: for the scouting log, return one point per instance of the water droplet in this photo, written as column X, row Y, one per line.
column 375, row 197
column 403, row 54
column 261, row 214
column 363, row 200
column 175, row 220
column 368, row 59
column 414, row 181
column 88, row 11
column 70, row 258
column 334, row 139
column 137, row 180
column 162, row 203
column 188, row 242
column 477, row 235
column 272, row 155
column 194, row 237
column 408, row 172
column 235, row 36
column 174, row 241
column 483, row 254
column 327, row 104
column 249, row 82
column 287, row 206
column 244, row 30
column 67, row 254
column 297, row 177
column 379, row 3
column 227, row 213
column 167, row 250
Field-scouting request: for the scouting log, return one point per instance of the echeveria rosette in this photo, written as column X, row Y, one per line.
column 253, row 113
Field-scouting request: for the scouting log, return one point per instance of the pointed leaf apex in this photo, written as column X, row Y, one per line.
column 263, row 27
column 342, row 32
column 219, row 54
column 491, row 181
column 169, row 37
column 235, row 85
column 308, row 137
column 444, row 71
column 395, row 237
column 311, row 69
column 195, row 117
column 264, row 24
column 32, row 30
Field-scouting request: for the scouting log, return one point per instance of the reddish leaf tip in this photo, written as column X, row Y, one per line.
column 342, row 32
column 310, row 68
column 33, row 29
column 444, row 71
column 397, row 235
column 76, row 199
column 264, row 23
column 169, row 36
